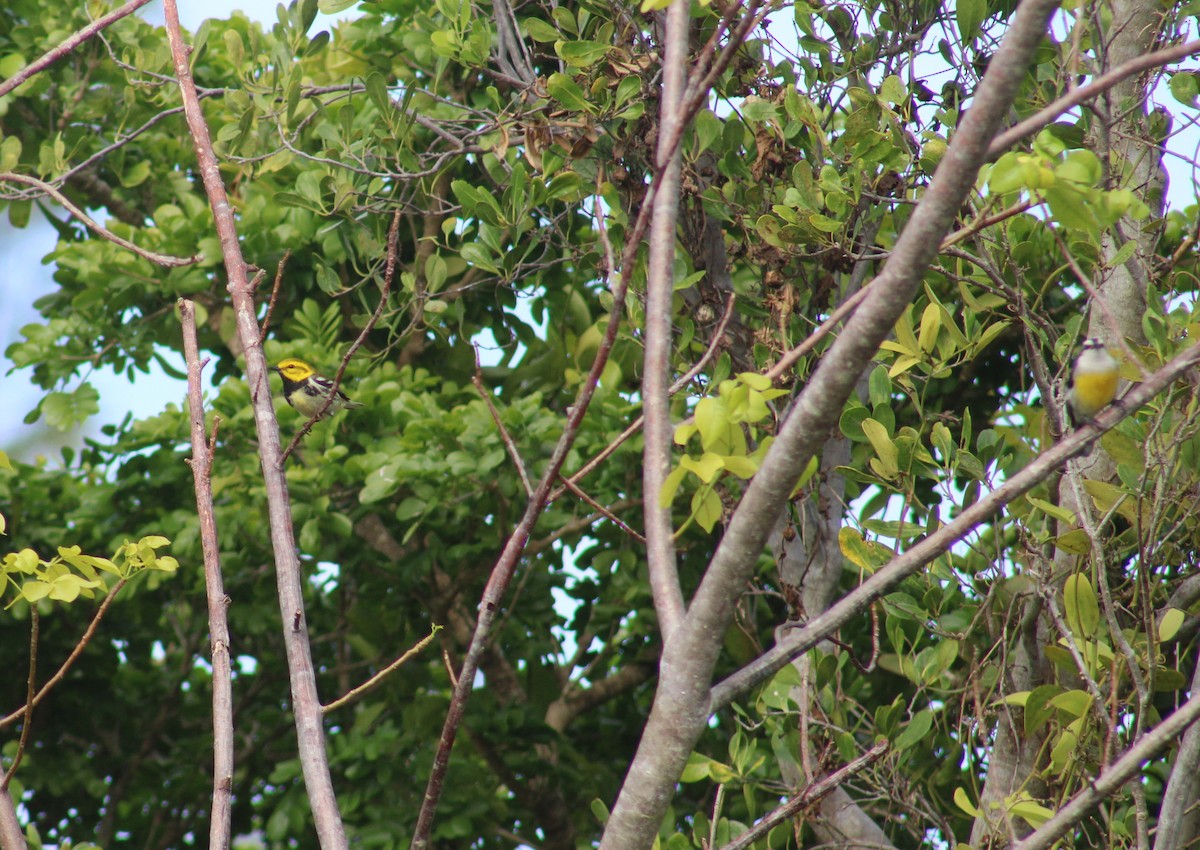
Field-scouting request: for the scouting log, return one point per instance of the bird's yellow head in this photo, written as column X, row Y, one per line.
column 292, row 369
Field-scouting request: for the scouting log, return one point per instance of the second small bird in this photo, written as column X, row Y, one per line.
column 1093, row 382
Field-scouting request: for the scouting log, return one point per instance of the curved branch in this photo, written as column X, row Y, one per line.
column 375, row 681
column 68, row 44
column 1111, row 781
column 161, row 259
column 75, row 653
column 807, row 797
column 1085, row 93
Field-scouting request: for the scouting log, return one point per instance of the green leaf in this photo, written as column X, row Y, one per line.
column 540, row 31
column 915, row 731
column 1071, row 208
column 1080, row 606
column 1038, row 709
column 742, row 467
column 567, row 92
column 1007, row 174
column 943, row 441
column 136, row 175
column 989, row 334
column 931, row 323
column 35, row 591
column 885, row 449
column 671, row 486
column 581, row 54
column 864, row 554
column 1168, row 626
column 10, row 153
column 706, row 507
column 707, row 127
column 1056, row 511
column 964, row 802
column 64, row 411
column 1075, row 703
column 893, row 90
column 1082, row 167
column 700, row 767
column 706, row 468
column 1184, row 87
column 879, row 387
column 1032, row 813
column 825, row 224
column 970, row 14
column 1018, row 698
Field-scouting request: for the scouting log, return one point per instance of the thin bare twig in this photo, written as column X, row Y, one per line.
column 68, row 44
column 75, row 653
column 372, row 683
column 477, row 380
column 266, row 322
column 221, row 819
column 165, row 260
column 986, row 222
column 613, row 518
column 1101, row 84
column 807, row 797
column 30, row 685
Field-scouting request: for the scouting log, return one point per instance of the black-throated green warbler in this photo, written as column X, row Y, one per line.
column 307, row 391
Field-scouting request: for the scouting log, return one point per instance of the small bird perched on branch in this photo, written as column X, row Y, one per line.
column 1093, row 382
column 307, row 391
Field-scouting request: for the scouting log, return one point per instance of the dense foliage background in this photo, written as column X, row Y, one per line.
column 1004, row 675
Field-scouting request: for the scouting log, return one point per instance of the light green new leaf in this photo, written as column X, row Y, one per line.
column 1080, row 606
column 706, row 507
column 64, row 411
column 883, row 445
column 1168, row 627
column 964, row 802
column 706, row 468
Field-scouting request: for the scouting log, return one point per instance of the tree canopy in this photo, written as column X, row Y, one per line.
column 712, row 478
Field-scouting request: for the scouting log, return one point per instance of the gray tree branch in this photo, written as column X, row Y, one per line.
column 681, row 705
column 306, row 704
column 656, row 377
column 1111, row 780
column 221, row 816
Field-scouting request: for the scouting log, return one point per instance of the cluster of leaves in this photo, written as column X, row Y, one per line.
column 35, row 579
